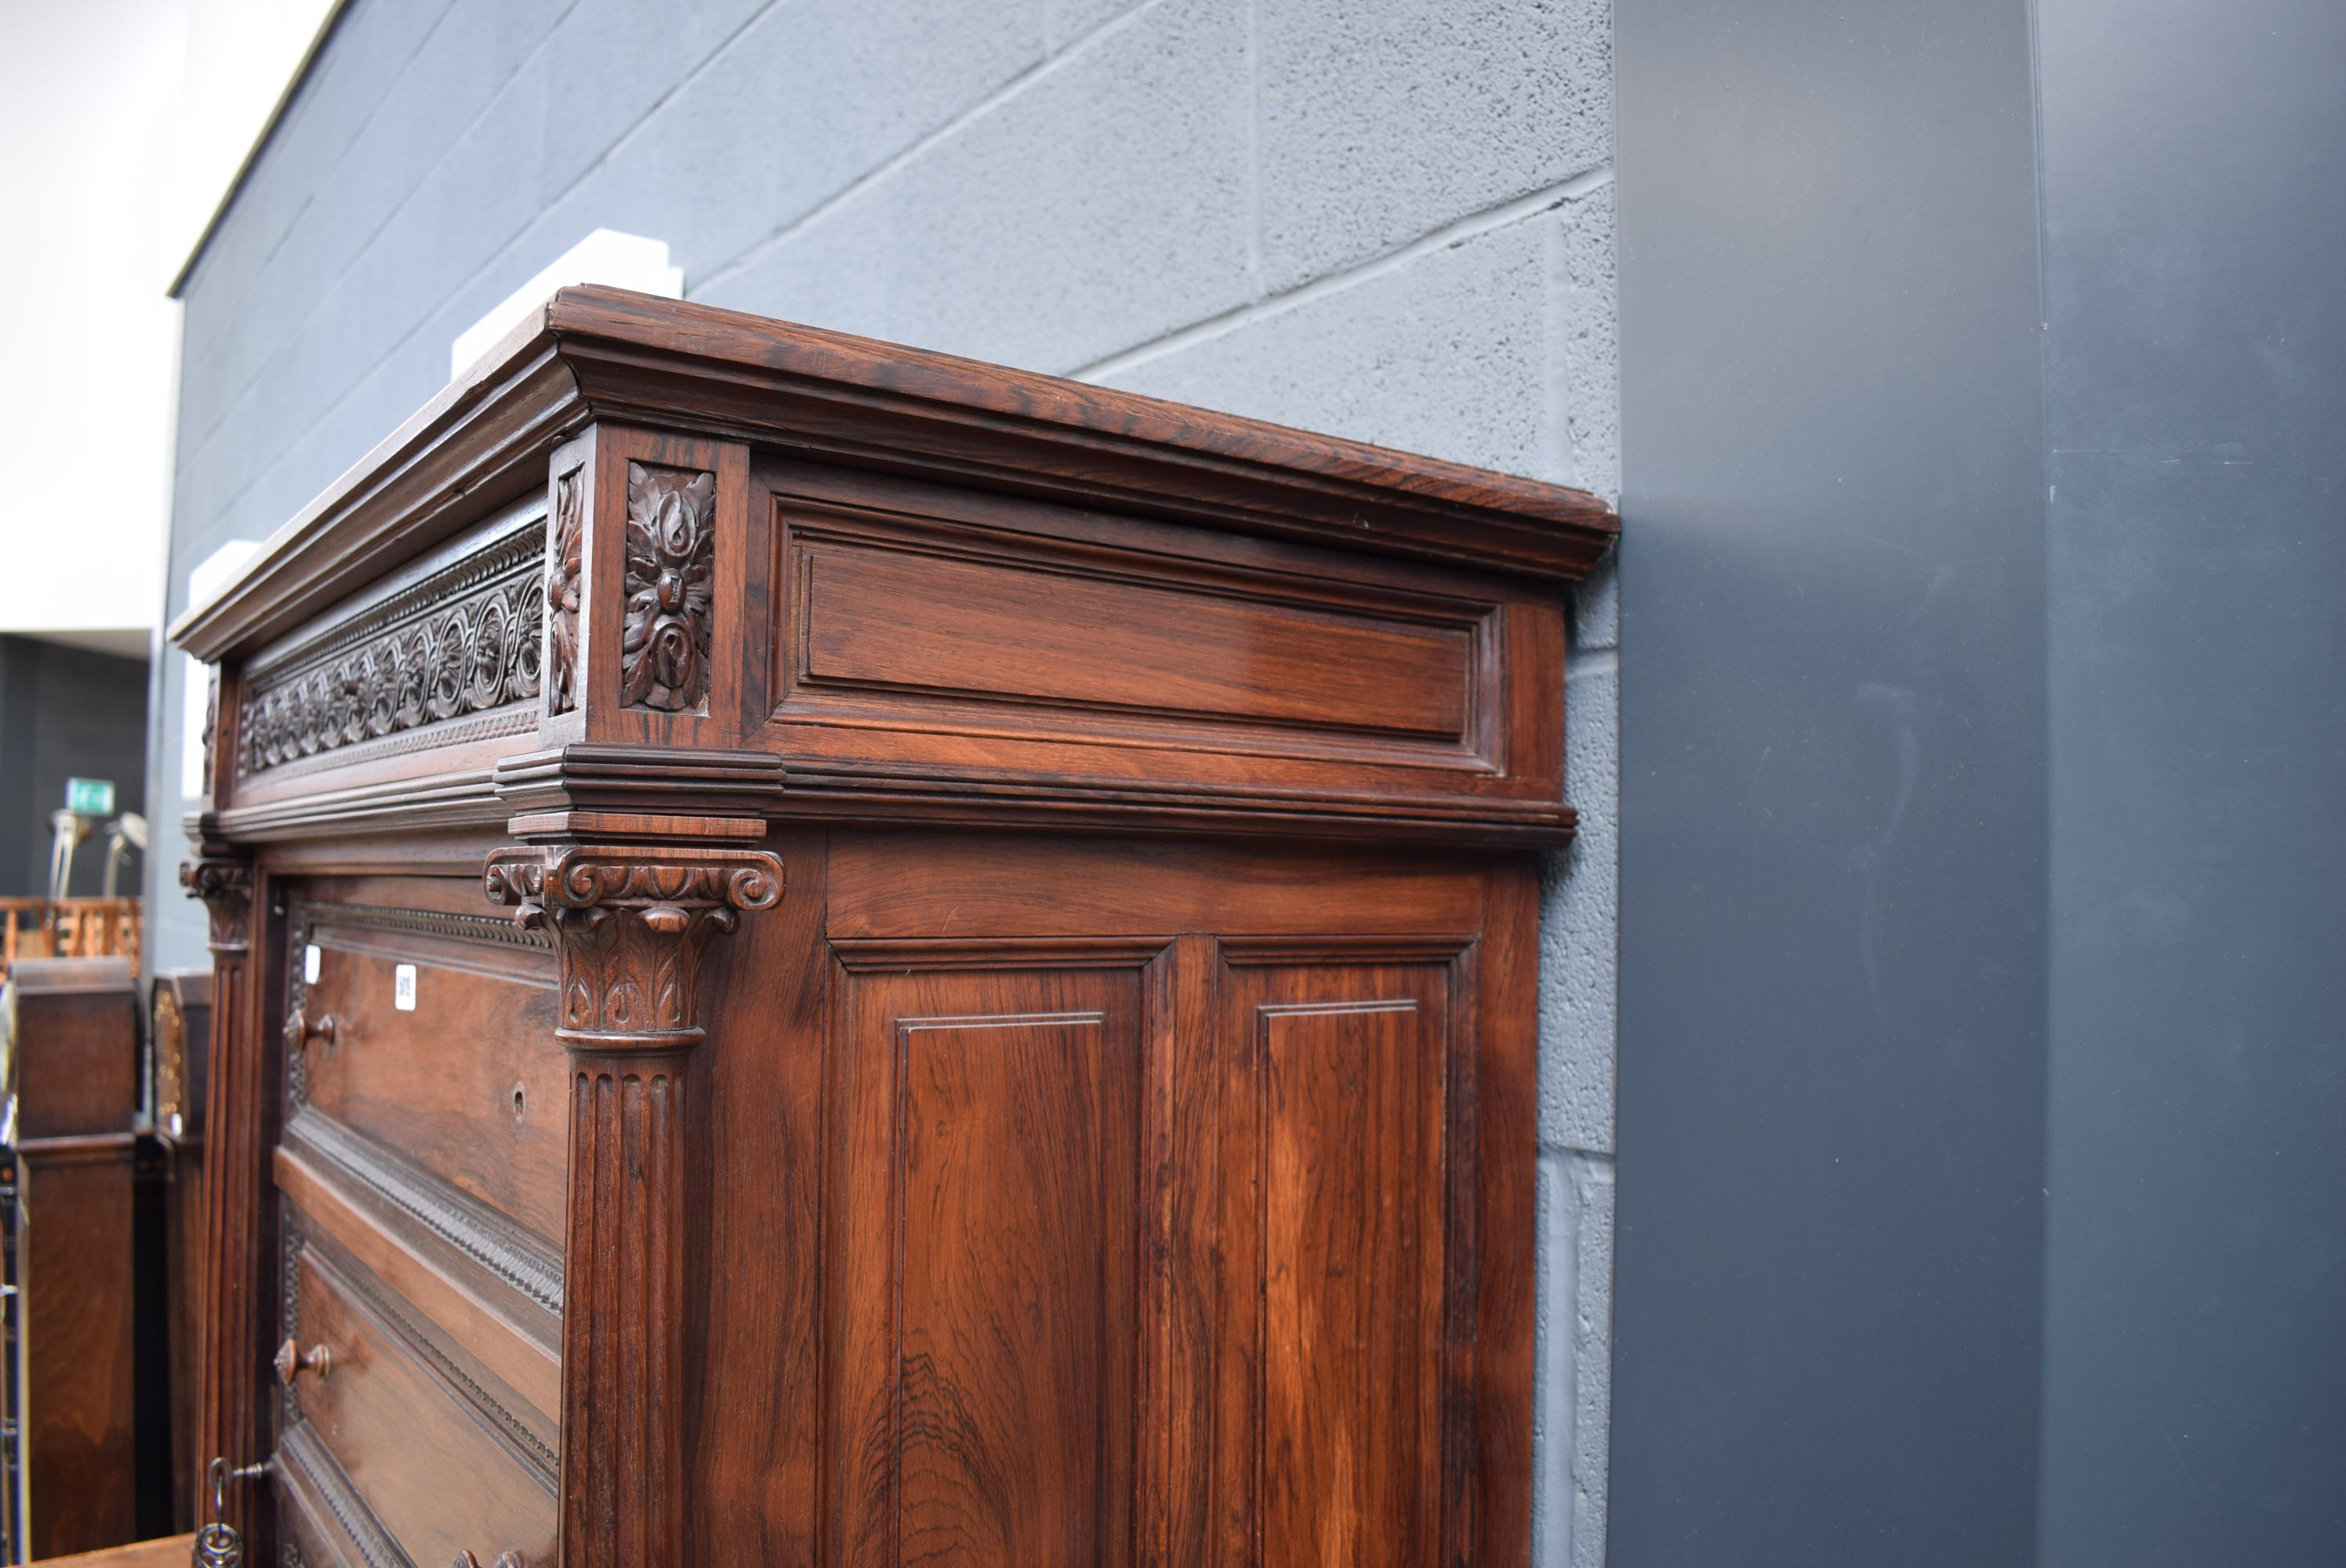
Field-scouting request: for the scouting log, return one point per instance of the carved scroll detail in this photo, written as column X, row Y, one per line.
column 290, row 1242
column 671, row 549
column 563, row 573
column 463, row 640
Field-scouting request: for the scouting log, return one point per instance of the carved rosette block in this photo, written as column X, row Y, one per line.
column 630, row 923
column 671, row 559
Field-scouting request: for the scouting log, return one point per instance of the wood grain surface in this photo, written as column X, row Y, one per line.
column 895, row 620
column 74, row 1262
column 436, row 1475
column 489, row 1120
column 985, row 1229
column 1350, row 1258
column 77, row 1057
column 168, row 1552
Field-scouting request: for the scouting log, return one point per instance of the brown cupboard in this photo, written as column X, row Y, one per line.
column 70, row 1059
column 827, row 955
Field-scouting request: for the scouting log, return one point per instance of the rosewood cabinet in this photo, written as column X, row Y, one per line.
column 833, row 955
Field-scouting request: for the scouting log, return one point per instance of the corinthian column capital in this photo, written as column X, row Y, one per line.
column 224, row 882
column 630, row 921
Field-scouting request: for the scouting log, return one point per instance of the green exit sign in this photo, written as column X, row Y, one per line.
column 90, row 797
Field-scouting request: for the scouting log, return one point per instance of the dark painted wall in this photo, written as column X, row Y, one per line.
column 1833, row 773
column 66, row 712
column 1867, row 746
column 2195, row 265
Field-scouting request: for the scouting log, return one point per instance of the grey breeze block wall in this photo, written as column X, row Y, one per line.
column 1390, row 220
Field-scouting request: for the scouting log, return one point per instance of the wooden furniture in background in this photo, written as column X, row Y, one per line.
column 179, row 1032
column 831, row 955
column 70, row 928
column 72, row 1076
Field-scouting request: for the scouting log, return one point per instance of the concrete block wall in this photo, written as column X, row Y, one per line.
column 1390, row 220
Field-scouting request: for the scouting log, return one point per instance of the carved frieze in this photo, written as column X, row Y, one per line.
column 467, row 639
column 671, row 550
column 419, row 922
column 630, row 922
column 564, row 583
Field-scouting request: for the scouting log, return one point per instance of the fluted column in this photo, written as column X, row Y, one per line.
column 229, row 1415
column 630, row 922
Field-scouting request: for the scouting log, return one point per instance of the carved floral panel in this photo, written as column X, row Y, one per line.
column 562, row 586
column 671, row 553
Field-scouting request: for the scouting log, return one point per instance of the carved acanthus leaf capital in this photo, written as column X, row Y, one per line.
column 630, row 921
column 225, row 884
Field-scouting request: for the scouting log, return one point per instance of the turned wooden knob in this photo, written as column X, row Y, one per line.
column 299, row 1030
column 292, row 1362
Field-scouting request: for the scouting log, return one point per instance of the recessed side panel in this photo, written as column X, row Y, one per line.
column 1342, row 1394
column 944, row 655
column 985, row 1238
column 1351, row 1317
column 924, row 623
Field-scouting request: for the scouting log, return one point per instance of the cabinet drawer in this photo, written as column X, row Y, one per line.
column 466, row 1082
column 428, row 1463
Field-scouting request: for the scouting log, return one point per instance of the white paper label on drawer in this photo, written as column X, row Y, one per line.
column 310, row 963
column 403, row 988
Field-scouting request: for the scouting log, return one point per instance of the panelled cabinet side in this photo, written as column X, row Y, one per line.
column 1149, row 1010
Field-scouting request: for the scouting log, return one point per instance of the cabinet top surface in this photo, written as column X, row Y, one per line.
column 603, row 355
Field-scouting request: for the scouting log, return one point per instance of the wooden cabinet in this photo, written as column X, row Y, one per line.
column 71, row 1068
column 830, row 955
